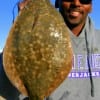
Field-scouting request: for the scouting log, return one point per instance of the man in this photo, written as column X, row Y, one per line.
column 84, row 80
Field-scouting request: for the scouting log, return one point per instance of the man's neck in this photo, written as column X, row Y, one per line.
column 76, row 30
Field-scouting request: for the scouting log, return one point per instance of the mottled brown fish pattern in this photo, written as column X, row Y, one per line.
column 37, row 55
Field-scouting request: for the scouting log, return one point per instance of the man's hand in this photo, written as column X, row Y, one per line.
column 22, row 4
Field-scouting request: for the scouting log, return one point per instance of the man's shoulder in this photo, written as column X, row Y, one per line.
column 97, row 31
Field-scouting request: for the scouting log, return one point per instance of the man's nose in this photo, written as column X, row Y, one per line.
column 76, row 2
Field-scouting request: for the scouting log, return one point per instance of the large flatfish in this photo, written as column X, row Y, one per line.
column 37, row 55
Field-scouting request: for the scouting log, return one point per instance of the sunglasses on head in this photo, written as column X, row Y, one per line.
column 81, row 1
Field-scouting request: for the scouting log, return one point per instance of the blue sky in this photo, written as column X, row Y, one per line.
column 6, row 17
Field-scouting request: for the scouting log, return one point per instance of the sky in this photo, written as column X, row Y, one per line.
column 8, row 8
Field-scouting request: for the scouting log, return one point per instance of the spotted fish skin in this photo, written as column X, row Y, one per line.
column 37, row 55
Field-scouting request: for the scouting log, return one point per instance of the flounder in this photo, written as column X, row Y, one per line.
column 37, row 56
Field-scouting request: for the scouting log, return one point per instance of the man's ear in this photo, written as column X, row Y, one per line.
column 90, row 10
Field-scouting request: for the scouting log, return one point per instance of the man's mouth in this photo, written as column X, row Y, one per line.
column 74, row 13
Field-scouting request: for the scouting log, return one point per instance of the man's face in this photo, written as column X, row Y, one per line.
column 74, row 12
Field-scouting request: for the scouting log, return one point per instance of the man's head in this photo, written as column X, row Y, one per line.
column 74, row 11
